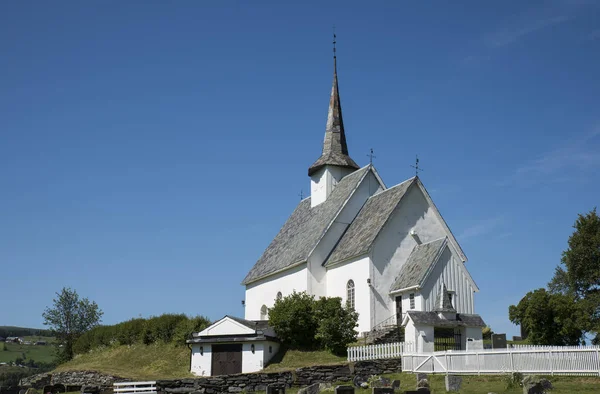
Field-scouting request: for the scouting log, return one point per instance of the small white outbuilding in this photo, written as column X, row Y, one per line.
column 232, row 345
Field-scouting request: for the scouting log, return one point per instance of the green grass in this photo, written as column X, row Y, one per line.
column 486, row 384
column 292, row 359
column 36, row 352
column 145, row 362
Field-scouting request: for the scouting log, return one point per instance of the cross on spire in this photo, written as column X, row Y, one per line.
column 416, row 167
column 334, row 41
column 371, row 156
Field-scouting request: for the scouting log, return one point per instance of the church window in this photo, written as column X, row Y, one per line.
column 350, row 300
column 412, row 300
column 450, row 298
column 279, row 295
column 264, row 312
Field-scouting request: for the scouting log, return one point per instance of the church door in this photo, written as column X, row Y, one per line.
column 398, row 310
column 226, row 359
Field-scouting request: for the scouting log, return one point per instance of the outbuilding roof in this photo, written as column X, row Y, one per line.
column 433, row 319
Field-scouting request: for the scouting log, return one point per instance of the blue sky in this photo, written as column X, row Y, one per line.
column 150, row 150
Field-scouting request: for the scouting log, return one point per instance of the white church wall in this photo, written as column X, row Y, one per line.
column 425, row 338
column 452, row 270
column 324, row 181
column 264, row 291
column 201, row 362
column 356, row 270
column 317, row 285
column 394, row 244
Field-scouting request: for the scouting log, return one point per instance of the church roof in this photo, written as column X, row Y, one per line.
column 335, row 149
column 415, row 270
column 303, row 229
column 368, row 223
column 433, row 319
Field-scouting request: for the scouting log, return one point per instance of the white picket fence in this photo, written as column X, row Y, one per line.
column 552, row 360
column 135, row 387
column 380, row 351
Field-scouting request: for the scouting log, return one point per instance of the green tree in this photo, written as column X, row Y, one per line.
column 69, row 318
column 549, row 318
column 579, row 272
column 301, row 322
column 292, row 318
column 336, row 324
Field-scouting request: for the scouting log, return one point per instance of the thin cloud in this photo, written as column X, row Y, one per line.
column 508, row 35
column 579, row 155
column 481, row 227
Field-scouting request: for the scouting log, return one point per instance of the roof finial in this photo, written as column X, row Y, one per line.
column 371, row 156
column 416, row 166
column 334, row 42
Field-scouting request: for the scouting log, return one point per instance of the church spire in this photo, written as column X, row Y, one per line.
column 335, row 149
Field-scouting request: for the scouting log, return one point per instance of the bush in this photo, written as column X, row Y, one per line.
column 301, row 322
column 187, row 327
column 336, row 324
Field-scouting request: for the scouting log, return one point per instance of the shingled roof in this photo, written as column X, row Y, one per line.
column 417, row 266
column 433, row 319
column 368, row 223
column 303, row 229
column 335, row 149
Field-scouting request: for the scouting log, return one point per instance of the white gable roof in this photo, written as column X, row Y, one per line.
column 226, row 326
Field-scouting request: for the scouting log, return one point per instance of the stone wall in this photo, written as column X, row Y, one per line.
column 259, row 381
column 74, row 380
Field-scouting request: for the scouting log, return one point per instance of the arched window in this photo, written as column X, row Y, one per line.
column 264, row 312
column 350, row 299
column 279, row 295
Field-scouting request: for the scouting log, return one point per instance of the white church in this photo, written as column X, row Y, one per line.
column 386, row 251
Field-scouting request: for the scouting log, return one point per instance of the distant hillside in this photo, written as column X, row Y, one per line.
column 11, row 331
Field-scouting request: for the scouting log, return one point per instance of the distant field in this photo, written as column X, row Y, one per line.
column 41, row 353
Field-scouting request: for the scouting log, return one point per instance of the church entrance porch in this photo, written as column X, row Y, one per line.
column 446, row 338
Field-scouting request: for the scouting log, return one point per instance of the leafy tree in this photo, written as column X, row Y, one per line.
column 292, row 318
column 336, row 324
column 579, row 272
column 301, row 322
column 549, row 318
column 69, row 318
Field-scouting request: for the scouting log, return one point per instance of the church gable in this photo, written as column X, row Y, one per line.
column 361, row 234
column 304, row 229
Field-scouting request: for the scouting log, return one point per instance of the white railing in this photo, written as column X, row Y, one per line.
column 135, row 387
column 553, row 360
column 380, row 351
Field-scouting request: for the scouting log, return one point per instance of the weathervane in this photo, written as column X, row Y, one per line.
column 301, row 195
column 334, row 41
column 371, row 156
column 416, row 167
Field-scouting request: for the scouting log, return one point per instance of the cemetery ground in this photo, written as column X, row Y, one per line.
column 168, row 361
column 39, row 353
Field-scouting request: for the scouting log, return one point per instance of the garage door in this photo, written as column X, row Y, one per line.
column 226, row 359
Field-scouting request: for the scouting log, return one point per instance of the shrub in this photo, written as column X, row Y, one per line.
column 301, row 322
column 336, row 324
column 187, row 327
column 161, row 328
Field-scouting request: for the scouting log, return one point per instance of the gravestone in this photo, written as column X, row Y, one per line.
column 312, row 389
column 344, row 390
column 275, row 389
column 383, row 390
column 498, row 341
column 453, row 382
column 420, row 391
column 421, row 376
column 22, row 391
column 395, row 384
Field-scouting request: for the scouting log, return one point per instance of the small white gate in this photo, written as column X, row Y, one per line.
column 135, row 387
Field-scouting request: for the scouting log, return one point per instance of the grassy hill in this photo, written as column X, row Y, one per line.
column 138, row 361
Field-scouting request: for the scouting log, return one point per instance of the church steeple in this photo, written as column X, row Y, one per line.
column 335, row 149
